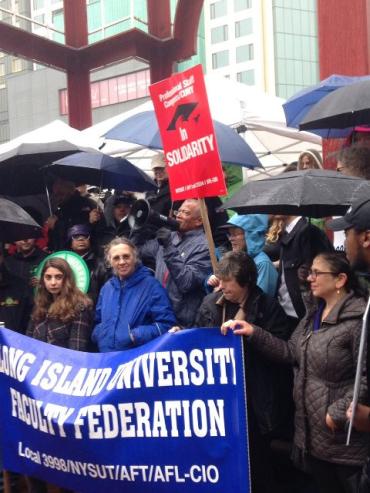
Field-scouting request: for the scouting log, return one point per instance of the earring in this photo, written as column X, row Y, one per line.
column 338, row 291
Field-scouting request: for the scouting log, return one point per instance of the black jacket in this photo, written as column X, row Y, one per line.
column 160, row 201
column 73, row 211
column 269, row 386
column 24, row 267
column 15, row 301
column 298, row 249
column 99, row 274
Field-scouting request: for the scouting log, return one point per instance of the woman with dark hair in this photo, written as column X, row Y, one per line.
column 268, row 385
column 61, row 316
column 323, row 350
column 62, row 313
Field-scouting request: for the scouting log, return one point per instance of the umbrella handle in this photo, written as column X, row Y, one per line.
column 48, row 199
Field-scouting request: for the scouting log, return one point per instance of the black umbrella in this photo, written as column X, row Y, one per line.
column 15, row 223
column 102, row 170
column 22, row 158
column 346, row 107
column 311, row 193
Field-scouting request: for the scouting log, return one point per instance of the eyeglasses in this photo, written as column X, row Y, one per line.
column 313, row 273
column 234, row 235
column 183, row 213
column 80, row 237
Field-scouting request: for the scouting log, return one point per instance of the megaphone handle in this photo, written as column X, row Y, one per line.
column 208, row 232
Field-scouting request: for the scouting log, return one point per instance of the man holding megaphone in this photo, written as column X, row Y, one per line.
column 182, row 261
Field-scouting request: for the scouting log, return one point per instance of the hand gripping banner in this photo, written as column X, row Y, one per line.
column 169, row 416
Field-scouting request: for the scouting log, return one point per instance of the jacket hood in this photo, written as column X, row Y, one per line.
column 140, row 273
column 315, row 156
column 255, row 227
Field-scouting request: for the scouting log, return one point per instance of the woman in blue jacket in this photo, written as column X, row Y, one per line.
column 133, row 308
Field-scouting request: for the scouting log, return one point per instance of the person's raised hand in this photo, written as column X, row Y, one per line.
column 50, row 221
column 213, row 281
column 163, row 236
column 94, row 216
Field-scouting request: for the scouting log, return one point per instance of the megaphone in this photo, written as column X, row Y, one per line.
column 142, row 214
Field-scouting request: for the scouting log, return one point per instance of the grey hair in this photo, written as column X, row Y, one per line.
column 121, row 240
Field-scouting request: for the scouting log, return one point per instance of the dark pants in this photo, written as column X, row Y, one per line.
column 335, row 478
column 38, row 486
column 364, row 486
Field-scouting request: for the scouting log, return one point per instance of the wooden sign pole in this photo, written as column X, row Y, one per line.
column 208, row 232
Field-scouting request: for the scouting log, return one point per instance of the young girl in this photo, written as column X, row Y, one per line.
column 62, row 313
column 62, row 316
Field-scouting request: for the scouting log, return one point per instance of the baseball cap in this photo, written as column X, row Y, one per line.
column 123, row 199
column 78, row 229
column 158, row 161
column 357, row 216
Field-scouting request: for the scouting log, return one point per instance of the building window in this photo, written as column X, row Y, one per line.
column 38, row 4
column 244, row 53
column 219, row 34
column 16, row 65
column 4, row 132
column 40, row 18
column 243, row 27
column 220, row 59
column 218, row 9
column 2, row 73
column 246, row 77
column 113, row 90
column 242, row 5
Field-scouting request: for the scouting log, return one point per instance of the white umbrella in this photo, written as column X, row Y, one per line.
column 56, row 136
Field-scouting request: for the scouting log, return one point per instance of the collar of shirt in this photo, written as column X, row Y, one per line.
column 289, row 228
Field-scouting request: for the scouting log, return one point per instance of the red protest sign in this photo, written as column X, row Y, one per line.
column 189, row 142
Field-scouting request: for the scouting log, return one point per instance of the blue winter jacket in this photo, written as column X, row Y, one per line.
column 255, row 227
column 131, row 312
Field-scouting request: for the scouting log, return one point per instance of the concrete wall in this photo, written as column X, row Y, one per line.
column 33, row 97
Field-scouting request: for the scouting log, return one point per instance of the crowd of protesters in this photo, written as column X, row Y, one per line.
column 279, row 284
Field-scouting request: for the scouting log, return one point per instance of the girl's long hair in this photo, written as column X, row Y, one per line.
column 67, row 304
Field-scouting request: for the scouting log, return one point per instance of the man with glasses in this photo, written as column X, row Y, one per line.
column 182, row 261
column 356, row 225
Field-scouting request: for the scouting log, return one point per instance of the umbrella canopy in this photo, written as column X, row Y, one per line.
column 240, row 106
column 15, row 223
column 102, row 170
column 22, row 157
column 298, row 105
column 311, row 193
column 142, row 129
column 344, row 108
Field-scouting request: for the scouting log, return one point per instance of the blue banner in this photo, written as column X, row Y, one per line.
column 169, row 416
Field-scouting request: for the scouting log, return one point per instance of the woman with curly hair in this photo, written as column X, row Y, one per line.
column 62, row 314
column 273, row 237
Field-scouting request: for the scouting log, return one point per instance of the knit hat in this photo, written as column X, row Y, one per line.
column 78, row 229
